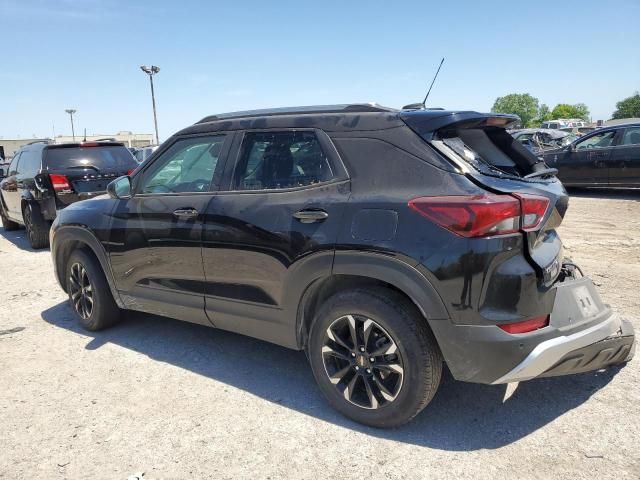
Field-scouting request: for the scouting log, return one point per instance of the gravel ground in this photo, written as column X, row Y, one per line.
column 176, row 400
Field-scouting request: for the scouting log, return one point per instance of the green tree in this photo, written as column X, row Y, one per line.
column 628, row 108
column 544, row 113
column 564, row 110
column 521, row 104
column 581, row 111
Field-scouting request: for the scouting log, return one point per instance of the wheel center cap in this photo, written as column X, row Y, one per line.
column 361, row 361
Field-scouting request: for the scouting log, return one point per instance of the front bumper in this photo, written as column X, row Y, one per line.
column 583, row 335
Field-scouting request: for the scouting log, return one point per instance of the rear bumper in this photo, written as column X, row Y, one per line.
column 607, row 343
column 583, row 335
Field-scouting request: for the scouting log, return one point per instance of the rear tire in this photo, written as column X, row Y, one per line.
column 89, row 293
column 395, row 360
column 6, row 223
column 36, row 226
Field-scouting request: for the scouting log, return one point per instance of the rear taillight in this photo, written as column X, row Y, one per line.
column 526, row 326
column 534, row 208
column 471, row 215
column 483, row 215
column 59, row 182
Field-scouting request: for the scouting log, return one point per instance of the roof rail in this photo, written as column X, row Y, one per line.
column 268, row 112
column 46, row 142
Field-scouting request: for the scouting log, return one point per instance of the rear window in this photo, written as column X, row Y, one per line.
column 112, row 157
column 489, row 150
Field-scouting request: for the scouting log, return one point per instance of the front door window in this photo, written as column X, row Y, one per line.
column 188, row 166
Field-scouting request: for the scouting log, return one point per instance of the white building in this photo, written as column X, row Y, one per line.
column 130, row 139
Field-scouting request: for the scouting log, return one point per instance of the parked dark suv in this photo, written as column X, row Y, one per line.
column 382, row 242
column 44, row 178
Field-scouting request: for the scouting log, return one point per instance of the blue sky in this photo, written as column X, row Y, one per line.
column 225, row 56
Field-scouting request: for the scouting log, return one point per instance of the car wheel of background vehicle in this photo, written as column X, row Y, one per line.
column 89, row 292
column 374, row 357
column 6, row 223
column 37, row 227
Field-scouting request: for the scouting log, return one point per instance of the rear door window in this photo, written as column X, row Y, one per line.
column 599, row 140
column 102, row 158
column 278, row 160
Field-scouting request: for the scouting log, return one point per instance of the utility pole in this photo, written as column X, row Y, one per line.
column 71, row 111
column 151, row 71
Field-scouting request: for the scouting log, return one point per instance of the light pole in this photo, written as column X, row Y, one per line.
column 71, row 111
column 151, row 71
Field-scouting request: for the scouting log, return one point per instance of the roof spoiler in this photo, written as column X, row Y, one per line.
column 427, row 124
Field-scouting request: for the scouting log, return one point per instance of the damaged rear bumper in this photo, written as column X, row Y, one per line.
column 583, row 334
column 604, row 344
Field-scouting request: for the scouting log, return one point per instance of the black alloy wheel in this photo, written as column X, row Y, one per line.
column 81, row 291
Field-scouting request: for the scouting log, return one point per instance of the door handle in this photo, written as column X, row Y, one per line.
column 310, row 216
column 185, row 213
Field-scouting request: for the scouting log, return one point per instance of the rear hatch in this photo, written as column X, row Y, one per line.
column 479, row 146
column 78, row 171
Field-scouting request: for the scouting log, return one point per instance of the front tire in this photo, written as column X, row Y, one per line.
column 374, row 357
column 89, row 293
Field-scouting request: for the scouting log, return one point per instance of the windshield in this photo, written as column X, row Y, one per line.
column 112, row 157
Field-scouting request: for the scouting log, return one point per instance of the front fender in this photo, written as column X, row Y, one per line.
column 67, row 237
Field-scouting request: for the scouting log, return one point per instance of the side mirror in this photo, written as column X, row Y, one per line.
column 120, row 187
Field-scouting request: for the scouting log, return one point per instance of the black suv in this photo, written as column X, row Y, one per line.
column 383, row 242
column 44, row 178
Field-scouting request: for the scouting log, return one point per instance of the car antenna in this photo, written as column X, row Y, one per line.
column 423, row 105
column 85, row 134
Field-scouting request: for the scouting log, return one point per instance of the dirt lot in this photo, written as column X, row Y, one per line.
column 176, row 400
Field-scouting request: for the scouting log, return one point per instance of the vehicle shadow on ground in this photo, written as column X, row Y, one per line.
column 612, row 194
column 462, row 416
column 19, row 239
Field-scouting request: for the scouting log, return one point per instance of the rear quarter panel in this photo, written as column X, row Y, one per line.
column 480, row 281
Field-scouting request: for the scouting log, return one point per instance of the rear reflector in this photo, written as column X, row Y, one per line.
column 471, row 215
column 59, row 182
column 526, row 326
